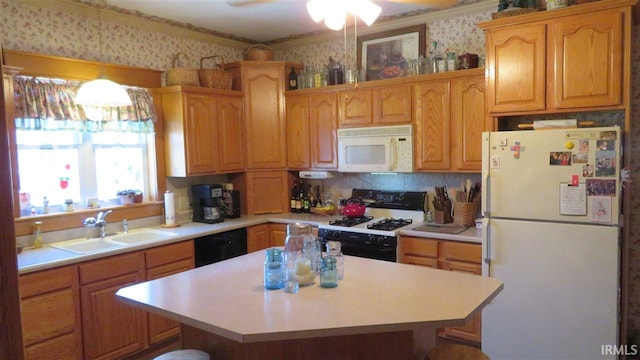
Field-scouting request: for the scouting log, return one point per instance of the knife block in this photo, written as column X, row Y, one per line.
column 443, row 216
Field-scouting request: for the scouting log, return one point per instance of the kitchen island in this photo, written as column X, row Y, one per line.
column 381, row 310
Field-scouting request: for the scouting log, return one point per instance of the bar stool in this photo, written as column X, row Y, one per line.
column 454, row 351
column 188, row 354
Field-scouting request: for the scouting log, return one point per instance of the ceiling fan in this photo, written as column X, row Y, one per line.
column 435, row 3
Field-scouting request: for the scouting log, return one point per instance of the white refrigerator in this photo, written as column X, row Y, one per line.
column 550, row 207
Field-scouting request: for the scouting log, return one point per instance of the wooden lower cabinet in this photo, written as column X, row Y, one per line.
column 111, row 328
column 264, row 236
column 72, row 312
column 160, row 262
column 452, row 256
column 50, row 313
column 258, row 237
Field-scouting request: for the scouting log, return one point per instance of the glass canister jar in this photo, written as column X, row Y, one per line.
column 334, row 249
column 273, row 269
column 329, row 273
column 299, row 267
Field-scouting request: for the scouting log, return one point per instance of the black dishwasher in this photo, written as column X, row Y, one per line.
column 221, row 246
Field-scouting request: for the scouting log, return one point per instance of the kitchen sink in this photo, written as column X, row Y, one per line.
column 86, row 246
column 142, row 235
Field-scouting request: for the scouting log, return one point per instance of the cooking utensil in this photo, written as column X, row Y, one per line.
column 354, row 207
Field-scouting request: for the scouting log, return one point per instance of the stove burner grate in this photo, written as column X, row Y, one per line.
column 389, row 224
column 350, row 221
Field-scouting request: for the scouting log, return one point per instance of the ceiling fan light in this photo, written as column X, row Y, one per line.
column 317, row 9
column 102, row 92
column 335, row 20
column 369, row 12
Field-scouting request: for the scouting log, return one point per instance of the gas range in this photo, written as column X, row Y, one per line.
column 375, row 234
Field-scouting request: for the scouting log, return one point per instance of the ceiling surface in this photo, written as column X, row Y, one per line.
column 264, row 21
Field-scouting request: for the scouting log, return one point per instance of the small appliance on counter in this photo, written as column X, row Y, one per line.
column 207, row 202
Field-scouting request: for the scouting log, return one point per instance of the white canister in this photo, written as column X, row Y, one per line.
column 555, row 4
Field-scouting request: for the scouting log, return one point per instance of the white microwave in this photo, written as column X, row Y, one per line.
column 376, row 149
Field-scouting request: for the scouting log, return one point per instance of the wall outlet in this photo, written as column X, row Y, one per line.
column 183, row 203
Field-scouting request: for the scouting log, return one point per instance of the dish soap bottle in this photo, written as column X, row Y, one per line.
column 37, row 241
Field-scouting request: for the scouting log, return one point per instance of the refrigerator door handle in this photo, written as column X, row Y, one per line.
column 486, row 247
column 485, row 174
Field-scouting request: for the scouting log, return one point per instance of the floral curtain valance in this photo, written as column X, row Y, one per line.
column 47, row 104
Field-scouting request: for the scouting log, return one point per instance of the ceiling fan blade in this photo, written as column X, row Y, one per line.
column 241, row 3
column 436, row 3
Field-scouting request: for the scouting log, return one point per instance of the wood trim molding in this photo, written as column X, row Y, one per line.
column 33, row 64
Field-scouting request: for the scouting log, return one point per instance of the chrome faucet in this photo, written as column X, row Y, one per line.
column 100, row 220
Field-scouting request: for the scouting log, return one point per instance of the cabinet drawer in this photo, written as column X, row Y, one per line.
column 459, row 251
column 45, row 281
column 169, row 269
column 48, row 316
column 419, row 247
column 168, row 254
column 111, row 267
column 62, row 347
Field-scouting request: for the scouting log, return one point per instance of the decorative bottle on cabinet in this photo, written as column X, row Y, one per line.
column 293, row 79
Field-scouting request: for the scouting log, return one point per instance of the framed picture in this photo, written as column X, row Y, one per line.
column 384, row 55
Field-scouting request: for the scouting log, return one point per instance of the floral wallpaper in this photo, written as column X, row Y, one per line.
column 39, row 30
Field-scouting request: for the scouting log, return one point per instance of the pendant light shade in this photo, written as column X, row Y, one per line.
column 334, row 11
column 102, row 92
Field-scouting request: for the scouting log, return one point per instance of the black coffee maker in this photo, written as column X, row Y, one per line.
column 207, row 203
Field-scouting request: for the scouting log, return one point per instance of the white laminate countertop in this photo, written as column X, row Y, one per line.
column 31, row 260
column 228, row 299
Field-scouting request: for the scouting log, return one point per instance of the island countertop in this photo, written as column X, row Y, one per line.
column 228, row 299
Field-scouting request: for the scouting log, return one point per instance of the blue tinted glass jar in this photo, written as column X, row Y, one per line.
column 329, row 273
column 274, row 269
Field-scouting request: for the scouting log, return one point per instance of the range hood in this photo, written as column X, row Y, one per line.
column 315, row 175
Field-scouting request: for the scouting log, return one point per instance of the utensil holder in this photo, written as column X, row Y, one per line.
column 442, row 216
column 464, row 213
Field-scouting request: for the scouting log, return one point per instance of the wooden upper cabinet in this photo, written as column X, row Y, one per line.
column 516, row 62
column 323, row 110
column 572, row 58
column 298, row 136
column 263, row 85
column 433, row 117
column 355, row 108
column 203, row 130
column 587, row 53
column 392, row 104
column 468, row 121
column 230, row 134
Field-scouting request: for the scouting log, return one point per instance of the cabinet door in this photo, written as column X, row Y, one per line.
column 516, row 68
column 586, row 60
column 163, row 261
column 258, row 238
column 323, row 111
column 201, row 134
column 230, row 134
column 298, row 136
column 264, row 117
column 111, row 328
column 355, row 108
column 468, row 121
column 50, row 314
column 392, row 105
column 278, row 234
column 463, row 257
column 433, row 118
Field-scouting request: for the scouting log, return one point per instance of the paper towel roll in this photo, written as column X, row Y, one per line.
column 169, row 208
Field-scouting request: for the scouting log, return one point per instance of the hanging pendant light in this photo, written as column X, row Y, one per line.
column 334, row 11
column 101, row 91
